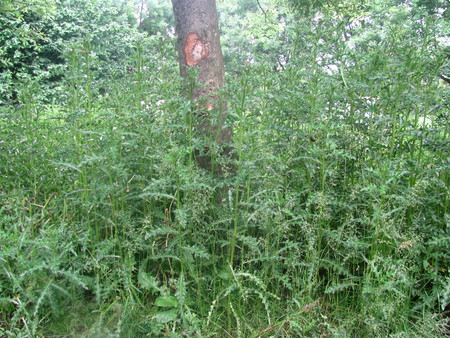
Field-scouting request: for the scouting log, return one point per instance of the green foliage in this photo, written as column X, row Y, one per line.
column 35, row 45
column 36, row 6
column 154, row 16
column 336, row 222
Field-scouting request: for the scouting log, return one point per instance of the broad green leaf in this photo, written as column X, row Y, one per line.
column 165, row 316
column 166, row 301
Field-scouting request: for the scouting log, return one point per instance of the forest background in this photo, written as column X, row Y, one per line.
column 334, row 222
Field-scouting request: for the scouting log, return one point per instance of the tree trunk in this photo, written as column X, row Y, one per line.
column 197, row 28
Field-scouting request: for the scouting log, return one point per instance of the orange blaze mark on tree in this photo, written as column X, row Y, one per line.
column 195, row 49
column 208, row 105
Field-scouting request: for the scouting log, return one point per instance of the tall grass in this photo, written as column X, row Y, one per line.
column 334, row 223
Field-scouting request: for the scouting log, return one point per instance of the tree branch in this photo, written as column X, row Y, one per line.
column 265, row 14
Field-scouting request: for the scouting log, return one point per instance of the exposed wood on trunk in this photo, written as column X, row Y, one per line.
column 199, row 46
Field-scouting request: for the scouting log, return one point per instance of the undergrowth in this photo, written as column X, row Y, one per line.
column 335, row 222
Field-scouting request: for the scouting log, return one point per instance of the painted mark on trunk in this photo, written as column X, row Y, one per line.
column 195, row 49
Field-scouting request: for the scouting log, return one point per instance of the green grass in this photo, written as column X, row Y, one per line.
column 335, row 222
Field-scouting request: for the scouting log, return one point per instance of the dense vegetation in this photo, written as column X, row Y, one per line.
column 336, row 221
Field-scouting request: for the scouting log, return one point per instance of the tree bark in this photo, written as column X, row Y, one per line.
column 197, row 28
